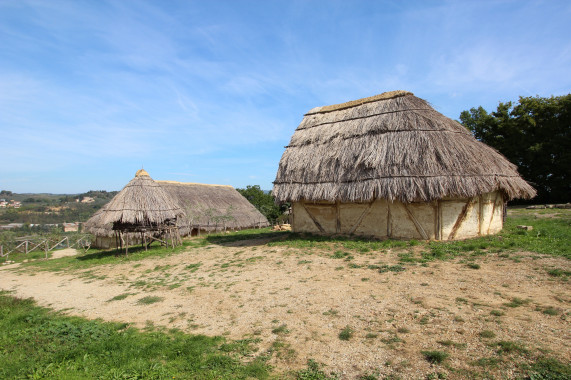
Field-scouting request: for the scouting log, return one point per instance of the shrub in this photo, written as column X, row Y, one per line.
column 435, row 357
column 346, row 333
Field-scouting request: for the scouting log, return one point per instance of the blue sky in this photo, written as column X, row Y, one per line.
column 211, row 91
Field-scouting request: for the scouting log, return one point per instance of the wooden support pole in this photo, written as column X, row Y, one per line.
column 313, row 219
column 480, row 214
column 417, row 224
column 361, row 217
column 389, row 220
column 461, row 218
column 493, row 212
column 337, row 217
column 437, row 220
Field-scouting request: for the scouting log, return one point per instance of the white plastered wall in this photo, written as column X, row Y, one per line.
column 446, row 219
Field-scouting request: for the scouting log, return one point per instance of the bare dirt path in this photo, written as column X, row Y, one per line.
column 297, row 301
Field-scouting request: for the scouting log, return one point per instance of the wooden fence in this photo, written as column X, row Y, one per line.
column 45, row 244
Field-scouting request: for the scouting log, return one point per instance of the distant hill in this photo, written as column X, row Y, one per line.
column 44, row 208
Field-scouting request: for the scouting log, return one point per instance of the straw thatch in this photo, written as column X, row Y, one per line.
column 142, row 205
column 211, row 207
column 392, row 146
column 198, row 207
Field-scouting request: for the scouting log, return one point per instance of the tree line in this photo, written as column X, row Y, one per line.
column 534, row 134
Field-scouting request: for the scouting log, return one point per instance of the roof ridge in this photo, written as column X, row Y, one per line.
column 191, row 183
column 353, row 103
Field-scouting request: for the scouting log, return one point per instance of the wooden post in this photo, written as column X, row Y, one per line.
column 360, row 219
column 463, row 215
column 493, row 212
column 46, row 249
column 437, row 220
column 480, row 214
column 313, row 219
column 389, row 220
column 67, row 239
column 26, row 247
column 338, row 217
column 416, row 223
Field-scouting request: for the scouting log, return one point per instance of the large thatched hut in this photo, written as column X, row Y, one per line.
column 142, row 209
column 391, row 166
column 212, row 208
column 190, row 208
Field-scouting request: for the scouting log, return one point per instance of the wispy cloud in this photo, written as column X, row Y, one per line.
column 214, row 90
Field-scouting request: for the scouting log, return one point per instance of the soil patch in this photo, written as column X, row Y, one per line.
column 295, row 303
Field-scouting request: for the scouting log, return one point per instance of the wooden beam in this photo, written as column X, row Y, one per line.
column 419, row 228
column 493, row 212
column 480, row 214
column 361, row 217
column 338, row 218
column 436, row 208
column 314, row 220
column 463, row 214
column 389, row 220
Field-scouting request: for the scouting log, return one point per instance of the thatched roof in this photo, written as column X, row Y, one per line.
column 143, row 202
column 208, row 206
column 198, row 206
column 392, row 146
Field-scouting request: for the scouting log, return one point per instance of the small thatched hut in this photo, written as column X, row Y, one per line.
column 391, row 166
column 143, row 209
column 212, row 208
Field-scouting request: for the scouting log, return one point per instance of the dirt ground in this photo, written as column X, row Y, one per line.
column 295, row 302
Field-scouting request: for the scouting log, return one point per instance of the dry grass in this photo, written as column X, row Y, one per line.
column 296, row 312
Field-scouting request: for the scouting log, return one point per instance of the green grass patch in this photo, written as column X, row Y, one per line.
column 38, row 343
column 391, row 268
column 312, row 372
column 346, row 333
column 119, row 297
column 508, row 347
column 193, row 267
column 449, row 343
column 517, row 302
column 557, row 272
column 487, row 334
column 435, row 357
column 549, row 368
column 551, row 311
column 487, row 362
column 497, row 313
column 107, row 257
column 149, row 300
column 281, row 330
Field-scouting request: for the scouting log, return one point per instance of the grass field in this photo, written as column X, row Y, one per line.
column 38, row 343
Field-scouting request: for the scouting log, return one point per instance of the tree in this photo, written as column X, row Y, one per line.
column 263, row 201
column 535, row 134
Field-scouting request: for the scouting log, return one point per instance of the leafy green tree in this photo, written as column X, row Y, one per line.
column 264, row 202
column 534, row 134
